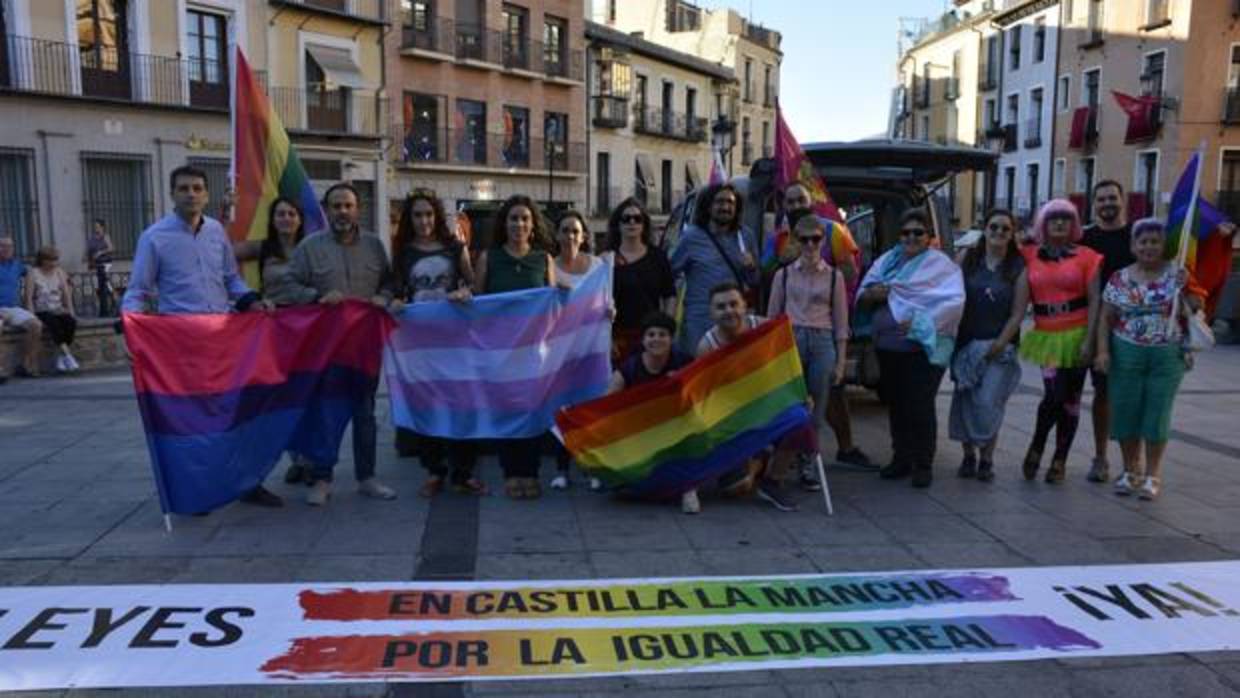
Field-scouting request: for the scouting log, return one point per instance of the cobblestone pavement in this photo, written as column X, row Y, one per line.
column 77, row 506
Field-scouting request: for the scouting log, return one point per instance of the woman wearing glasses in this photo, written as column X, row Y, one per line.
column 643, row 280
column 813, row 295
column 912, row 299
column 985, row 367
column 1064, row 288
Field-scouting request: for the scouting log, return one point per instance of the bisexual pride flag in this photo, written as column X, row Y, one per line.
column 665, row 437
column 502, row 365
column 223, row 396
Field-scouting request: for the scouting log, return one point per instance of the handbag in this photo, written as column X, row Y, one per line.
column 1200, row 335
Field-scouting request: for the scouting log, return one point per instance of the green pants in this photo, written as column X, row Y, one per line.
column 1142, row 384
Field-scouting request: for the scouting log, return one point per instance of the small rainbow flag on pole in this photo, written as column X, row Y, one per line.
column 264, row 163
column 662, row 438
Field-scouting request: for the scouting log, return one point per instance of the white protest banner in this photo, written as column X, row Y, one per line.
column 124, row 636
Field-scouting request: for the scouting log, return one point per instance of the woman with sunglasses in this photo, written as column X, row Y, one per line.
column 643, row 280
column 912, row 300
column 431, row 264
column 814, row 296
column 1062, row 277
column 985, row 367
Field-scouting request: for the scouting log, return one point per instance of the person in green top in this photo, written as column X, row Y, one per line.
column 517, row 259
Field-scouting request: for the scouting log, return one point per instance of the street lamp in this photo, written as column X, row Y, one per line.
column 551, row 137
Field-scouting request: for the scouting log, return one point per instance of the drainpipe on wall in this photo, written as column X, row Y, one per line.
column 589, row 129
column 47, row 181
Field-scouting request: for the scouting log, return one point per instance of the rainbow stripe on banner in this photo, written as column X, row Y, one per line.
column 265, row 164
column 621, row 651
column 664, row 437
column 217, row 420
column 503, row 364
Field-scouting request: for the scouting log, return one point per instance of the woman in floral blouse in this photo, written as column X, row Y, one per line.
column 1143, row 354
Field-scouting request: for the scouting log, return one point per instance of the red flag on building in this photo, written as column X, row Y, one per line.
column 1080, row 123
column 1142, row 116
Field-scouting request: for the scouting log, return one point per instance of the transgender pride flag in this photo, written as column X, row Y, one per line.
column 502, row 365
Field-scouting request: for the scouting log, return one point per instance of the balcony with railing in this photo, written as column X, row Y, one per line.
column 54, row 68
column 1033, row 133
column 653, row 121
column 445, row 146
column 1231, row 106
column 1009, row 138
column 368, row 10
column 441, row 38
column 610, row 111
column 951, row 89
column 335, row 112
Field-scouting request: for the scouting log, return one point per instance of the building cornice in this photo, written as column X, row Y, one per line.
column 1015, row 14
column 601, row 34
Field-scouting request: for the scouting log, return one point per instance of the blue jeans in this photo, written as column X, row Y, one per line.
column 817, row 350
column 365, row 435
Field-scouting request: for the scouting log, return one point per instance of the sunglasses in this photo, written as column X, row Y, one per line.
column 915, row 232
column 811, row 239
column 631, row 219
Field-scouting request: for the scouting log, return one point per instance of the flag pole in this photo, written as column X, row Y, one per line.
column 1187, row 229
column 232, row 131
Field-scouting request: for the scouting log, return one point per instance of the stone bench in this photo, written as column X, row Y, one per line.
column 96, row 345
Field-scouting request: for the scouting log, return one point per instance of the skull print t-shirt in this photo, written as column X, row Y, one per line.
column 431, row 276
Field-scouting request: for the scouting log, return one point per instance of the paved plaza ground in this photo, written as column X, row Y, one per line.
column 78, row 507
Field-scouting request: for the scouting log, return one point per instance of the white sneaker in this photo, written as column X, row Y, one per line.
column 1149, row 489
column 1124, row 485
column 689, row 502
column 319, row 493
column 559, row 482
column 371, row 487
column 595, row 484
column 72, row 363
column 62, row 366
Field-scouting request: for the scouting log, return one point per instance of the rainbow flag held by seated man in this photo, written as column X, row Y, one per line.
column 222, row 397
column 502, row 365
column 662, row 438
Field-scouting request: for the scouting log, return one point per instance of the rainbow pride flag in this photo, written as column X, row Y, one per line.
column 264, row 164
column 662, row 438
column 502, row 365
column 218, row 420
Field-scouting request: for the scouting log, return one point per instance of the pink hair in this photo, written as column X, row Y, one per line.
column 1057, row 207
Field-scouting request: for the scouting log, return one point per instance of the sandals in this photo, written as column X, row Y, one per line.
column 514, row 487
column 1055, row 474
column 532, row 488
column 471, row 486
column 432, row 486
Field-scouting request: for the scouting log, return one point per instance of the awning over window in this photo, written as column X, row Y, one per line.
column 338, row 65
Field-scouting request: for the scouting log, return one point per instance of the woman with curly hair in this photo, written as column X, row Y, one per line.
column 517, row 259
column 1063, row 286
column 431, row 264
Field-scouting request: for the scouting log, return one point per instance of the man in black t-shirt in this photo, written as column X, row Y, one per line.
column 1110, row 236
